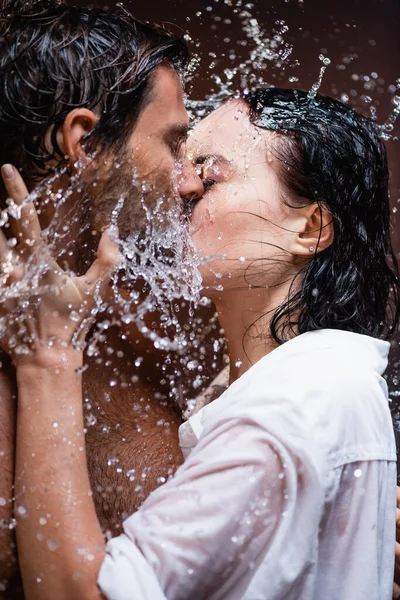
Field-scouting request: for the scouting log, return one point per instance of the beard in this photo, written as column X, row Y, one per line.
column 124, row 198
column 159, row 264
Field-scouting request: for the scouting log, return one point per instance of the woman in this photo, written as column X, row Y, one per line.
column 271, row 500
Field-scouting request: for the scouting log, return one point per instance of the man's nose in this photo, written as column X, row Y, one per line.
column 190, row 185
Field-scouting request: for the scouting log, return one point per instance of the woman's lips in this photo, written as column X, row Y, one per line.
column 201, row 217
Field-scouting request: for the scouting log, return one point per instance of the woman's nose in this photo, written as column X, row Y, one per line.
column 190, row 185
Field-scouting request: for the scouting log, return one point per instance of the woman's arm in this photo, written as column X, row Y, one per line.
column 60, row 543
column 8, row 558
column 59, row 539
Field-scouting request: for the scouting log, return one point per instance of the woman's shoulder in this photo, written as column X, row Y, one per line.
column 326, row 385
column 322, row 394
column 324, row 359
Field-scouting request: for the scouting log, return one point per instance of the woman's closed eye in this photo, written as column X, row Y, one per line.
column 212, row 169
column 208, row 183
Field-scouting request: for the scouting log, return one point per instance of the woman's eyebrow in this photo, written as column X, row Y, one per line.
column 203, row 158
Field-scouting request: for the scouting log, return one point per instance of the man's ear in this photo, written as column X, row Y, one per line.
column 316, row 232
column 77, row 125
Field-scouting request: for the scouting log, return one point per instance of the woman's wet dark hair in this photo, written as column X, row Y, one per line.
column 55, row 58
column 330, row 154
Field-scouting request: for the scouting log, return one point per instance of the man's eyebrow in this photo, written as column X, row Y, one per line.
column 179, row 130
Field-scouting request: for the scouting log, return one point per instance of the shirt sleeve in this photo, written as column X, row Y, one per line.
column 241, row 495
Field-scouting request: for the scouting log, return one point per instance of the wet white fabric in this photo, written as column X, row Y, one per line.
column 287, row 491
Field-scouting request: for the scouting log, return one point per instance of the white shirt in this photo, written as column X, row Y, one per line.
column 287, row 491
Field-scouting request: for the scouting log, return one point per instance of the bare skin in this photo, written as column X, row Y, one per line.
column 132, row 416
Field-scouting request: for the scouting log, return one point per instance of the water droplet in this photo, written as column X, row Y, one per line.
column 91, row 420
column 52, row 544
column 192, row 365
column 8, row 523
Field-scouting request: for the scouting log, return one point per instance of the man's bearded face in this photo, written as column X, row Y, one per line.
column 150, row 175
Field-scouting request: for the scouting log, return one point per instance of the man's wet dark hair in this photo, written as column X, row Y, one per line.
column 330, row 154
column 55, row 58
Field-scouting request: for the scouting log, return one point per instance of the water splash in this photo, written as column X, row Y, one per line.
column 159, row 257
column 386, row 130
column 316, row 86
column 264, row 50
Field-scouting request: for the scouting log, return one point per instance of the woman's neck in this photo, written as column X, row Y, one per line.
column 245, row 316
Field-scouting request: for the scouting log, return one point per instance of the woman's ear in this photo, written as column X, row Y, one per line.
column 316, row 233
column 77, row 125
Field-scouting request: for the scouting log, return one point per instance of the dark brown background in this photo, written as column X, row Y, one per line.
column 366, row 30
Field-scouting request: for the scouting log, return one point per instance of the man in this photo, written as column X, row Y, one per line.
column 83, row 90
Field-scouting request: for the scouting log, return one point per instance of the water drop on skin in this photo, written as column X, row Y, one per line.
column 52, row 544
column 91, row 420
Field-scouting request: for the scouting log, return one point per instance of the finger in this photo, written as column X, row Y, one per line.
column 107, row 260
column 10, row 269
column 4, row 247
column 26, row 228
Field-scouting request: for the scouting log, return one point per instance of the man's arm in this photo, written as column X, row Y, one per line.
column 8, row 558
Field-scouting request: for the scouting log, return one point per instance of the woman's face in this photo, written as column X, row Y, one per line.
column 241, row 225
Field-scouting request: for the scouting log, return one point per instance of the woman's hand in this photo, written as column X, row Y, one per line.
column 45, row 314
column 42, row 309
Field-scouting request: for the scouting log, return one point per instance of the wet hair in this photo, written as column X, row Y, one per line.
column 330, row 154
column 55, row 58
